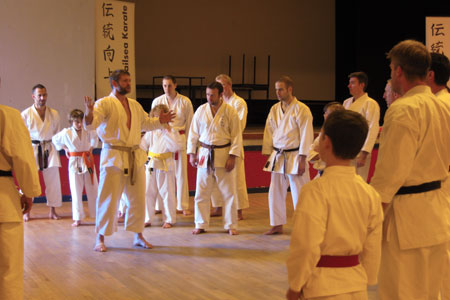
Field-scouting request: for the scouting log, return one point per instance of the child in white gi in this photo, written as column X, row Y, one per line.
column 78, row 144
column 335, row 246
column 161, row 145
column 313, row 156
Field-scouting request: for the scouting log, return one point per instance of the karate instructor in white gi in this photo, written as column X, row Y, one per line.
column 119, row 121
column 413, row 161
column 215, row 140
column 43, row 123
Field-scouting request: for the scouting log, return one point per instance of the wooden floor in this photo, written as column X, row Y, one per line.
column 60, row 262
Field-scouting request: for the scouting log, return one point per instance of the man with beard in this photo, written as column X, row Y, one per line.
column 119, row 122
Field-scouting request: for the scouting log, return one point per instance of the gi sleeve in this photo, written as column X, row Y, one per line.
column 307, row 235
column 372, row 115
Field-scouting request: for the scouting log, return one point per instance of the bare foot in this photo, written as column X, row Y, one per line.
column 53, row 215
column 76, row 223
column 240, row 216
column 157, row 212
column 26, row 217
column 217, row 212
column 147, row 224
column 187, row 212
column 275, row 230
column 233, row 232
column 167, row 225
column 100, row 243
column 179, row 212
column 198, row 231
column 139, row 241
column 120, row 217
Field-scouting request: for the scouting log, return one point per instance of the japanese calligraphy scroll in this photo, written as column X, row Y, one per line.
column 114, row 46
column 438, row 34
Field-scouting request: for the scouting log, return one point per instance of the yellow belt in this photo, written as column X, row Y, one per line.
column 161, row 156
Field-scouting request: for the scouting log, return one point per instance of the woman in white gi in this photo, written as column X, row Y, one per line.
column 335, row 246
column 161, row 145
column 78, row 145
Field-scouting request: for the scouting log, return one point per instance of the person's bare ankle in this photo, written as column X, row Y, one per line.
column 139, row 241
column 233, row 232
column 198, row 231
column 278, row 229
column 240, row 215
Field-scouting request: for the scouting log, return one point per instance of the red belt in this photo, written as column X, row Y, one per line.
column 182, row 132
column 88, row 159
column 330, row 261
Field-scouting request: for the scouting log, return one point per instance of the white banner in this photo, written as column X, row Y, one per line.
column 438, row 34
column 114, row 43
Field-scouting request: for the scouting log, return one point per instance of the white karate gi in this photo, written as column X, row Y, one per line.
column 79, row 176
column 340, row 215
column 160, row 176
column 414, row 147
column 318, row 164
column 182, row 107
column 240, row 106
column 110, row 119
column 16, row 154
column 370, row 109
column 218, row 130
column 44, row 131
column 287, row 130
column 444, row 95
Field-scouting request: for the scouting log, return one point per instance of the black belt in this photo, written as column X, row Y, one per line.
column 42, row 155
column 5, row 173
column 210, row 163
column 421, row 188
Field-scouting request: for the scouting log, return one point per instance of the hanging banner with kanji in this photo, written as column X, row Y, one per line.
column 438, row 34
column 114, row 44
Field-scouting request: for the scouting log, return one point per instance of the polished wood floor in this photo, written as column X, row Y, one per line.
column 60, row 262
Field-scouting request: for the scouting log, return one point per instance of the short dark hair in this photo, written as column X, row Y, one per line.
column 75, row 114
column 170, row 77
column 362, row 78
column 347, row 131
column 440, row 65
column 216, row 85
column 334, row 105
column 413, row 57
column 38, row 86
column 115, row 76
column 288, row 82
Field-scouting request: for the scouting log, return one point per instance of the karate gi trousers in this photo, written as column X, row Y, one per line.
column 226, row 185
column 77, row 182
column 11, row 260
column 182, row 181
column 412, row 273
column 52, row 186
column 112, row 184
column 160, row 185
column 278, row 188
column 360, row 295
column 241, row 186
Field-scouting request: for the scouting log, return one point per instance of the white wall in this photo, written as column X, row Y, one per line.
column 50, row 42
